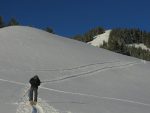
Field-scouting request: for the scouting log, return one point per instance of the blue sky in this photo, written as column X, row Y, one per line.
column 70, row 17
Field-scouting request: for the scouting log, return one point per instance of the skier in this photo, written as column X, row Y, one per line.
column 35, row 82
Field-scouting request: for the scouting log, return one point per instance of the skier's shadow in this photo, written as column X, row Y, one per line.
column 34, row 109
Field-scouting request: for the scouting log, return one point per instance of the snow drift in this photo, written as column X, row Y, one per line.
column 79, row 78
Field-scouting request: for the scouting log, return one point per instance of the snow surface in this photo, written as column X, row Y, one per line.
column 79, row 78
column 98, row 40
column 140, row 45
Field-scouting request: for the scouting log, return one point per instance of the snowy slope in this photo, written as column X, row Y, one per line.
column 83, row 79
column 98, row 40
column 140, row 45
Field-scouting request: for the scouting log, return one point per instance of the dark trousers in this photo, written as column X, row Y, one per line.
column 33, row 92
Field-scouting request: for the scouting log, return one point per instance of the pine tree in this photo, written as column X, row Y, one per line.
column 1, row 22
column 79, row 38
column 50, row 30
column 13, row 22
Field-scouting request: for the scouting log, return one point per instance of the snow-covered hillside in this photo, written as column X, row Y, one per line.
column 80, row 78
column 140, row 45
column 99, row 39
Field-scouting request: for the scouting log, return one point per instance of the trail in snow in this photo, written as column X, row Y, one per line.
column 13, row 82
column 35, row 109
column 90, row 72
column 69, row 69
column 22, row 105
column 81, row 94
column 41, row 107
column 98, row 97
column 78, row 67
column 78, row 75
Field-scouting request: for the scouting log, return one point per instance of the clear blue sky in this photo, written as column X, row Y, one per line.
column 70, row 17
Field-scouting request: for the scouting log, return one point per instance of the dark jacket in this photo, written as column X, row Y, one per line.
column 35, row 81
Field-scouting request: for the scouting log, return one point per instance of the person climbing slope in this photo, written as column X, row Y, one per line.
column 35, row 82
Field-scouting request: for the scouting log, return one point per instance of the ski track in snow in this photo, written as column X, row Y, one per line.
column 88, row 95
column 78, row 67
column 94, row 96
column 93, row 71
column 39, row 108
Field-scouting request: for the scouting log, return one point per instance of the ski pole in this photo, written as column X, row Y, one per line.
column 49, row 81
